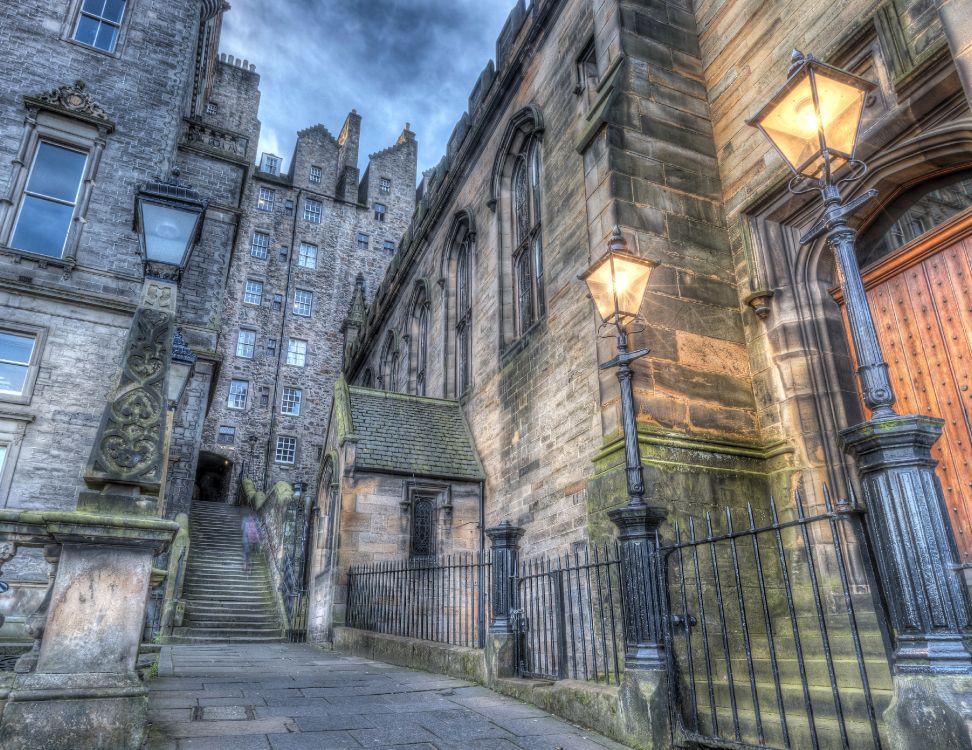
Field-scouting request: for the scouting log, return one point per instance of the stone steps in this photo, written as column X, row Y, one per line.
column 224, row 604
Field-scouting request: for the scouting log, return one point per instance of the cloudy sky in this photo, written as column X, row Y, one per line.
column 395, row 61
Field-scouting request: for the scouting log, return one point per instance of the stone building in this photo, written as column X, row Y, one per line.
column 121, row 100
column 595, row 115
column 304, row 239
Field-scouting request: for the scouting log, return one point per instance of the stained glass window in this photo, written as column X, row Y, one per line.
column 525, row 209
column 423, row 527
column 463, row 317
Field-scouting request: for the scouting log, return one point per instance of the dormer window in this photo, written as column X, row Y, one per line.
column 270, row 164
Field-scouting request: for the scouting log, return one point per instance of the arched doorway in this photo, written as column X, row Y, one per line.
column 916, row 259
column 213, row 478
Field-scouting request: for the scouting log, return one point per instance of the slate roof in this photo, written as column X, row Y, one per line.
column 412, row 435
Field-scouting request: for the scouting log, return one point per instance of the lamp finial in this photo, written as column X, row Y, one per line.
column 797, row 58
column 617, row 243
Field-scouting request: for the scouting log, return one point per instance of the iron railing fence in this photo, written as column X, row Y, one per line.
column 446, row 599
column 569, row 612
column 774, row 637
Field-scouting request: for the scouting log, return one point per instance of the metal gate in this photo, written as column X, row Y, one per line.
column 569, row 616
column 773, row 636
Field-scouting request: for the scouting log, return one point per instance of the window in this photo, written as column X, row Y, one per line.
column 525, row 198
column 270, row 163
column 362, row 242
column 16, row 353
column 290, row 402
column 245, row 343
column 587, row 68
column 422, row 543
column 286, row 450
column 315, row 175
column 379, row 212
column 49, row 200
column 303, row 301
column 99, row 22
column 463, row 316
column 237, row 394
column 253, row 292
column 296, row 352
column 312, row 211
column 227, row 435
column 277, row 302
column 368, row 378
column 307, row 255
column 388, row 365
column 384, row 185
column 271, row 347
column 260, row 245
column 389, row 246
column 3, row 458
column 419, row 338
column 211, row 108
column 266, row 199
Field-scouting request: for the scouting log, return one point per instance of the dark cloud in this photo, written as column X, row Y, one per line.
column 395, row 61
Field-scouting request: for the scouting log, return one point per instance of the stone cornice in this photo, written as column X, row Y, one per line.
column 86, row 299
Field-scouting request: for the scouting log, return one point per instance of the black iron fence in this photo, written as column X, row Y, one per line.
column 446, row 599
column 774, row 637
column 569, row 613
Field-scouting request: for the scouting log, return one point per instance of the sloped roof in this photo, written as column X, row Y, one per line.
column 411, row 435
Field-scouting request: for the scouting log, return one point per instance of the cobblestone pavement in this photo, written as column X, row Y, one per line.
column 291, row 697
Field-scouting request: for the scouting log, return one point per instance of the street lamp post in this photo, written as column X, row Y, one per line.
column 814, row 121
column 617, row 283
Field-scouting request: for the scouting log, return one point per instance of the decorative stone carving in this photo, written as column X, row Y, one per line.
column 215, row 139
column 37, row 622
column 129, row 445
column 74, row 99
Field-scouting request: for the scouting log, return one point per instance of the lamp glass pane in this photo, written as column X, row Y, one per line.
column 841, row 106
column 791, row 124
column 179, row 373
column 629, row 281
column 168, row 232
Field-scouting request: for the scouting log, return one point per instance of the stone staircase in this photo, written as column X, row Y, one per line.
column 224, row 604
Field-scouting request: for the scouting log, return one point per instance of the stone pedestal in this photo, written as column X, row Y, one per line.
column 84, row 692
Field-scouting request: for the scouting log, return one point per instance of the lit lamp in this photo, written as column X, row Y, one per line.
column 168, row 219
column 617, row 283
column 814, row 121
column 182, row 364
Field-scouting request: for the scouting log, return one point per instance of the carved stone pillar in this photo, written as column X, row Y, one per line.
column 38, row 620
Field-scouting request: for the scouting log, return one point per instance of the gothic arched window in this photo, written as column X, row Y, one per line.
column 419, row 339
column 463, row 317
column 422, row 541
column 518, row 196
column 388, row 366
column 368, row 379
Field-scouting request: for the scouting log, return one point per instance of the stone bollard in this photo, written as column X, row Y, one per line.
column 501, row 635
column 644, row 688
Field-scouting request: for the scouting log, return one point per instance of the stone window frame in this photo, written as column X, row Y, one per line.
column 388, row 363
column 389, row 246
column 36, row 356
column 70, row 25
column 296, row 398
column 259, row 249
column 295, row 350
column 276, row 303
column 363, row 241
column 13, row 429
column 440, row 498
column 271, row 347
column 303, row 301
column 316, row 174
column 266, row 199
column 381, row 211
column 384, row 185
column 290, row 442
column 251, row 344
column 52, row 123
column 458, row 323
column 419, row 314
column 254, row 293
column 234, row 397
column 313, row 210
column 303, row 257
column 520, row 149
column 226, row 430
column 212, row 108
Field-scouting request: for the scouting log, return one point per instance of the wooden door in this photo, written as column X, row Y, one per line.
column 921, row 299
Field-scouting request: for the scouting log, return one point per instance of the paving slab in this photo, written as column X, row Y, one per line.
column 296, row 696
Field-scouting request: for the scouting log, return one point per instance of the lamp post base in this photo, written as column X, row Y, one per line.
column 913, row 542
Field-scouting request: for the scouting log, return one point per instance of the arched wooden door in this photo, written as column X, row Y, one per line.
column 921, row 299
